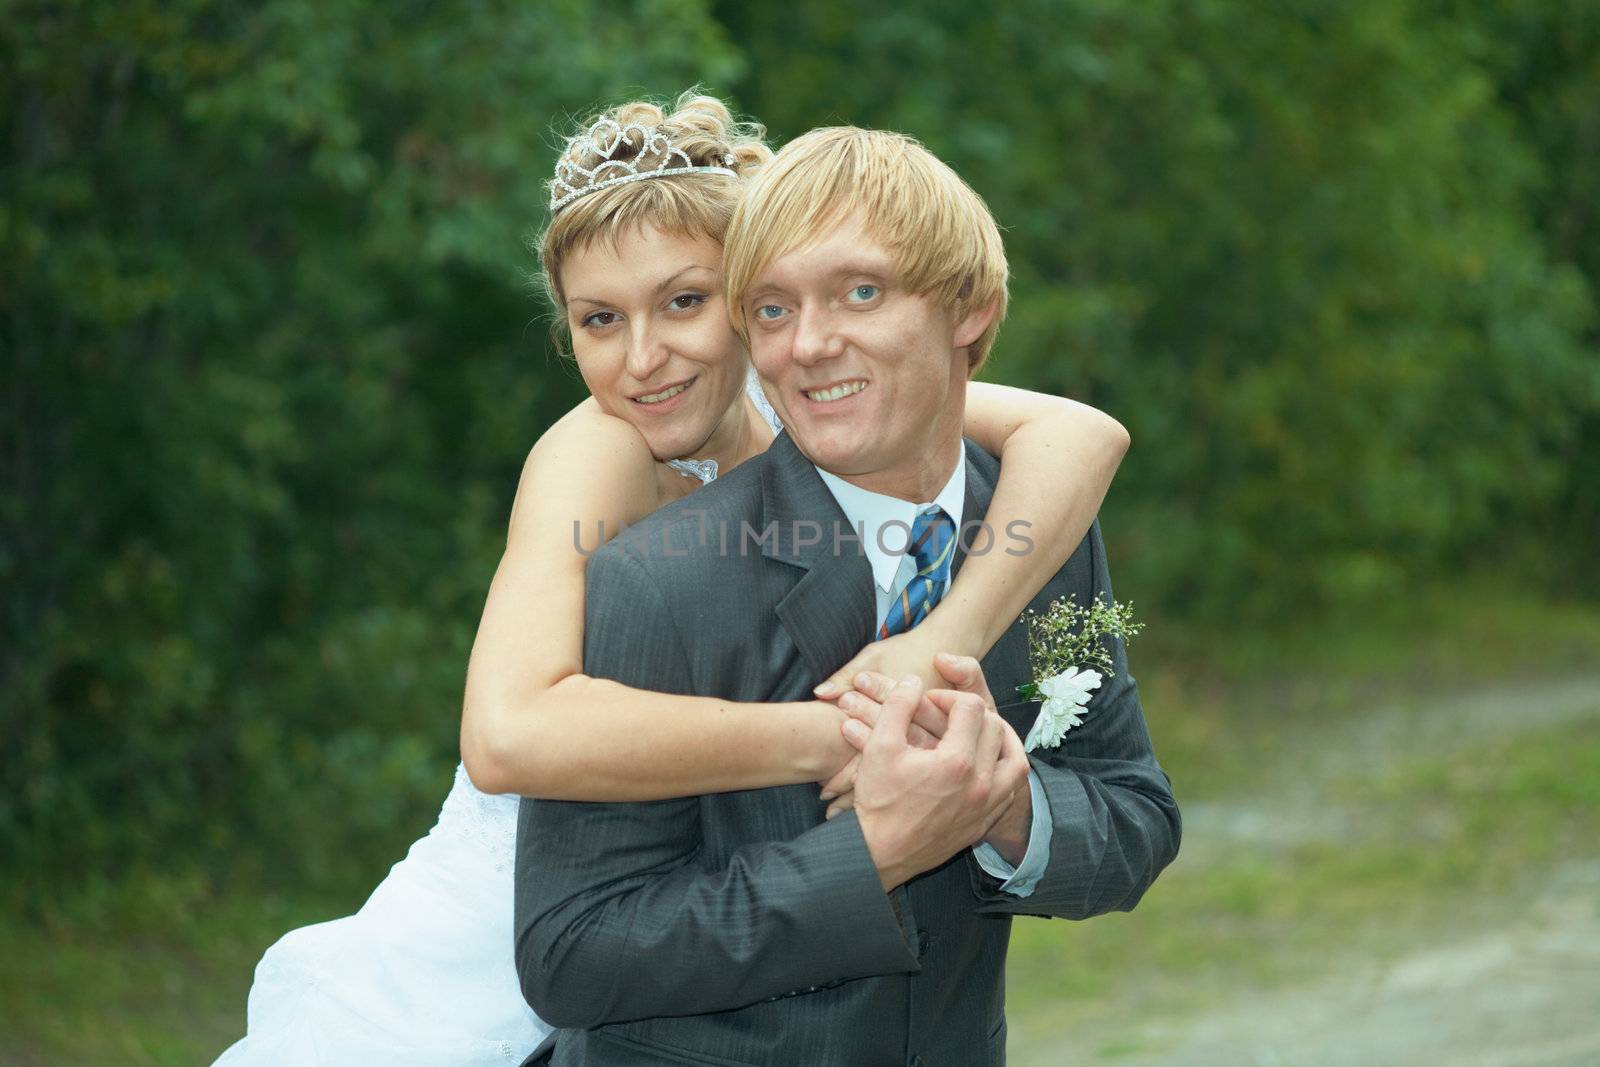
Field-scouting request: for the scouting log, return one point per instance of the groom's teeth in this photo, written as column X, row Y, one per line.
column 665, row 394
column 838, row 392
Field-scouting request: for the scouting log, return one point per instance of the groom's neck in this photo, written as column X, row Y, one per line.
column 918, row 479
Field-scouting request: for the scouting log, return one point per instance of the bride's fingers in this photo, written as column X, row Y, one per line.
column 965, row 674
column 873, row 684
column 842, row 680
column 931, row 719
column 843, row 780
column 859, row 707
column 829, row 688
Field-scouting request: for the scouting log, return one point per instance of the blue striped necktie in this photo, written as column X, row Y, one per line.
column 933, row 541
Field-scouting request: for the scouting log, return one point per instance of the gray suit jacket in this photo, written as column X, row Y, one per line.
column 743, row 927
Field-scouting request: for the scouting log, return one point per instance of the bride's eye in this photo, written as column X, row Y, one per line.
column 862, row 293
column 686, row 301
column 599, row 319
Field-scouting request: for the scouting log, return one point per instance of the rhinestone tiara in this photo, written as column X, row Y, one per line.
column 607, row 136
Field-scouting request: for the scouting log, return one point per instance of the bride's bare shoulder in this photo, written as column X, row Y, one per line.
column 593, row 465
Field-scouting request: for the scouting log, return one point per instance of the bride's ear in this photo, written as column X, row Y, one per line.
column 971, row 326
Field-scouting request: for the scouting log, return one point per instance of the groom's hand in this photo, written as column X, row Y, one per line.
column 918, row 807
column 927, row 726
column 1009, row 836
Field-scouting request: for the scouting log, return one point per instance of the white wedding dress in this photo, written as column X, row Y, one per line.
column 422, row 975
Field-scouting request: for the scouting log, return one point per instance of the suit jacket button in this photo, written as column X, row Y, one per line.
column 924, row 942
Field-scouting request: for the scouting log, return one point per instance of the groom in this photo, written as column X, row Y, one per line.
column 743, row 927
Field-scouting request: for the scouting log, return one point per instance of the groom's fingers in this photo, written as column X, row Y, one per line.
column 965, row 712
column 990, row 741
column 1013, row 757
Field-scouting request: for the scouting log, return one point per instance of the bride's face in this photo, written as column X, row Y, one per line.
column 651, row 335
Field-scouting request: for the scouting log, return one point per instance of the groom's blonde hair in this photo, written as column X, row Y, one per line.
column 940, row 233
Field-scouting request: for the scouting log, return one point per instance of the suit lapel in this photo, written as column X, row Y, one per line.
column 829, row 612
column 974, row 507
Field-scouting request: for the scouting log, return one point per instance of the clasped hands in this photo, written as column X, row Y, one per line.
column 936, row 770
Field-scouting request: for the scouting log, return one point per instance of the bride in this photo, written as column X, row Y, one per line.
column 422, row 975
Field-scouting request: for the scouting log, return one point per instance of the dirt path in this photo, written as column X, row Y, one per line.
column 1523, row 995
column 1288, row 804
column 1513, row 982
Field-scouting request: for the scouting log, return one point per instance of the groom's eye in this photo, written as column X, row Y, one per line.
column 862, row 293
column 768, row 312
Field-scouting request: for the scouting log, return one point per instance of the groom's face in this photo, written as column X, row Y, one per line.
column 869, row 379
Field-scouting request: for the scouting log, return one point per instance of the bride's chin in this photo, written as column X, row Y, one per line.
column 672, row 442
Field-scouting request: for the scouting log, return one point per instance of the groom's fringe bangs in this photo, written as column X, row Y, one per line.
column 944, row 240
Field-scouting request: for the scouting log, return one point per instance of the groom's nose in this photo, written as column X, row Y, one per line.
column 815, row 338
column 646, row 353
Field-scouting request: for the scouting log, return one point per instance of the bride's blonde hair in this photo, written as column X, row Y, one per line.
column 690, row 205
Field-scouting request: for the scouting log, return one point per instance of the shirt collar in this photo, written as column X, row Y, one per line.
column 871, row 512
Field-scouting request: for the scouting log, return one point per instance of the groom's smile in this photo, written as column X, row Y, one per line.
column 832, row 394
column 869, row 379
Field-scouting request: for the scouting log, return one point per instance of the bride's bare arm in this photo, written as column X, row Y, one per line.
column 1057, row 461
column 533, row 723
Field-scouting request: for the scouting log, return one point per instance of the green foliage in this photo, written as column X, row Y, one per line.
column 268, row 383
column 267, row 365
column 1288, row 245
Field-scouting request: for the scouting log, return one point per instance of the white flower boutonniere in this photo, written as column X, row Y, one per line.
column 1063, row 644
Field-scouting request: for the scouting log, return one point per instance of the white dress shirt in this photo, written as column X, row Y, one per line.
column 884, row 525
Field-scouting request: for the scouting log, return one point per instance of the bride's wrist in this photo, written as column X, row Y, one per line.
column 956, row 634
column 823, row 749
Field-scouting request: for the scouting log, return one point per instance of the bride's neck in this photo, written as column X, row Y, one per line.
column 740, row 434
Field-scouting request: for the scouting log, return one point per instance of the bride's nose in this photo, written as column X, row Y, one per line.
column 647, row 353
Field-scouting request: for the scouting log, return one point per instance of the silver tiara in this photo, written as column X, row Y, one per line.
column 606, row 136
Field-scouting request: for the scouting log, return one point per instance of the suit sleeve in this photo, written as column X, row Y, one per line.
column 618, row 917
column 1114, row 822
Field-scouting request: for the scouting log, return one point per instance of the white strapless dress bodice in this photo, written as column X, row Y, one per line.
column 421, row 976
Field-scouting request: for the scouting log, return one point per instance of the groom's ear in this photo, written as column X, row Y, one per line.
column 971, row 326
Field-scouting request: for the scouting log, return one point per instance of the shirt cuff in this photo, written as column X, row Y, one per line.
column 1020, row 880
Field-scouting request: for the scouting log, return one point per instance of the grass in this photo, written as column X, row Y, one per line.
column 155, row 977
column 153, row 970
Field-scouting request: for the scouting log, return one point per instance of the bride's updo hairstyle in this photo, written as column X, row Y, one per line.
column 605, row 187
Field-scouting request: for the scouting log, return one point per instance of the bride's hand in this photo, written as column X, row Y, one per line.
column 895, row 657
